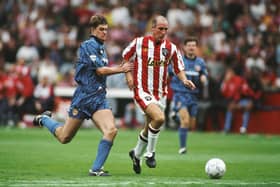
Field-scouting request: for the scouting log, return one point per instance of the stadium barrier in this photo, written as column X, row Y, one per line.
column 265, row 120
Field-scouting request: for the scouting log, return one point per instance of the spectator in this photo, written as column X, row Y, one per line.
column 28, row 52
column 44, row 95
column 47, row 68
column 10, row 50
column 8, row 92
column 3, row 99
column 255, row 62
column 25, row 88
column 241, row 94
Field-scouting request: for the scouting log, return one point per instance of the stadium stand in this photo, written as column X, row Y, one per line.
column 242, row 34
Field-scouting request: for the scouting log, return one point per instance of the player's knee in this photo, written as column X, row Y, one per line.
column 111, row 132
column 65, row 139
column 185, row 123
column 159, row 119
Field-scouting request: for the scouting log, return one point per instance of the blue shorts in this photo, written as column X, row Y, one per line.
column 84, row 105
column 188, row 101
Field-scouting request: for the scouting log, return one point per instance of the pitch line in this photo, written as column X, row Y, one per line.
column 73, row 183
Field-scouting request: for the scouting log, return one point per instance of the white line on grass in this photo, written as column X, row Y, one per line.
column 85, row 183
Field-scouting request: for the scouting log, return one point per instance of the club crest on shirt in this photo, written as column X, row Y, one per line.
column 148, row 98
column 165, row 52
column 75, row 111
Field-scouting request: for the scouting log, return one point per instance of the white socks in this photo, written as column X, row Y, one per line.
column 148, row 144
column 140, row 146
column 152, row 140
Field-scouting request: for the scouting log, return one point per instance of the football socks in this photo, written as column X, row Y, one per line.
column 152, row 140
column 183, row 135
column 140, row 146
column 102, row 154
column 51, row 124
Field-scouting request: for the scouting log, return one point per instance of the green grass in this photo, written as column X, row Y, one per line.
column 32, row 157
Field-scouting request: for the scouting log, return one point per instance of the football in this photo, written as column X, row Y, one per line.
column 215, row 168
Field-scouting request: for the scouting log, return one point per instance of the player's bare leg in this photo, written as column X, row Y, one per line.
column 183, row 130
column 63, row 132
column 66, row 132
column 104, row 121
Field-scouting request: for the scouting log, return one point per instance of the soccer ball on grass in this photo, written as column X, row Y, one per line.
column 215, row 168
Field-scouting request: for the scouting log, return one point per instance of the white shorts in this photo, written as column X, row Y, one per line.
column 143, row 99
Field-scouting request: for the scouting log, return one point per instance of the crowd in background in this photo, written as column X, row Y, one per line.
column 39, row 41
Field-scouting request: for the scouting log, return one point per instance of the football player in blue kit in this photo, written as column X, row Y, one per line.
column 185, row 99
column 89, row 100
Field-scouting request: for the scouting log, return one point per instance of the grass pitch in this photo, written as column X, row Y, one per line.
column 32, row 157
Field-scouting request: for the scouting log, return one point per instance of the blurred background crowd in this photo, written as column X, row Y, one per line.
column 39, row 41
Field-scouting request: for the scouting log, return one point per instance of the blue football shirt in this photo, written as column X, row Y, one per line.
column 194, row 68
column 91, row 55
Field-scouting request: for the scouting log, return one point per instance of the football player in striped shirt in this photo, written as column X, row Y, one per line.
column 151, row 56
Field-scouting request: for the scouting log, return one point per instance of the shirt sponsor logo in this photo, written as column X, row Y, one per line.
column 192, row 73
column 152, row 62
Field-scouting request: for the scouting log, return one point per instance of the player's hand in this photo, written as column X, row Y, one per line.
column 189, row 84
column 126, row 67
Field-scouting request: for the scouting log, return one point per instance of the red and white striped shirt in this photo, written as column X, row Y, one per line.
column 151, row 62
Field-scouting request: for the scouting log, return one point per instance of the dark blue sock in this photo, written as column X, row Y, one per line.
column 50, row 124
column 102, row 154
column 183, row 134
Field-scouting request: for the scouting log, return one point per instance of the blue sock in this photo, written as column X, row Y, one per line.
column 183, row 134
column 50, row 124
column 228, row 121
column 245, row 119
column 102, row 154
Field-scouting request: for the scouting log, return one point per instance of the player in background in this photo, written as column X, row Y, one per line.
column 151, row 56
column 185, row 99
column 89, row 100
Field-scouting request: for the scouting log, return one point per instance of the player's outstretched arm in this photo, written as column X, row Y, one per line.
column 188, row 83
column 123, row 68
